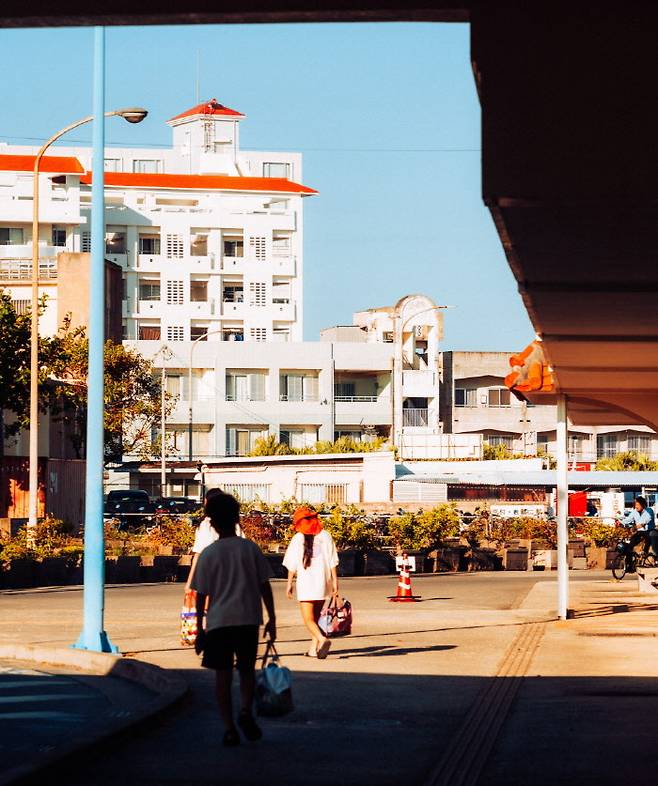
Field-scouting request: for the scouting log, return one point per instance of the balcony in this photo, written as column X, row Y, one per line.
column 415, row 418
column 20, row 269
column 419, row 383
column 371, row 410
column 149, row 263
column 283, row 311
column 204, row 264
column 235, row 309
column 233, row 264
column 202, row 308
column 149, row 308
column 52, row 208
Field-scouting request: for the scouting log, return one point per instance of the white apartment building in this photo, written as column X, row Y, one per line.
column 209, row 237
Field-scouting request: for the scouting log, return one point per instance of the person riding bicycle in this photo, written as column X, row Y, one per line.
column 642, row 519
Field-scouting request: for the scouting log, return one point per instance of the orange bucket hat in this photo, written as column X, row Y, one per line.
column 306, row 521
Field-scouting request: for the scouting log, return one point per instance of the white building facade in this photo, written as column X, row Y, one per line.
column 209, row 237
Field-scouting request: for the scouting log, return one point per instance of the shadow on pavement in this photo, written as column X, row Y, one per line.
column 354, row 729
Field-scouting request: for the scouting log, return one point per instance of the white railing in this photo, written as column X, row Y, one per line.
column 415, row 417
column 308, row 397
column 21, row 269
column 357, row 399
column 248, row 492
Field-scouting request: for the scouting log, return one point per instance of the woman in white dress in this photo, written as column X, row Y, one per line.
column 312, row 557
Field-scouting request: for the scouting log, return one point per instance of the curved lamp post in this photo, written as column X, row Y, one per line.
column 132, row 115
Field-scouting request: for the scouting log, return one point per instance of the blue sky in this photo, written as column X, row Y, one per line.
column 387, row 118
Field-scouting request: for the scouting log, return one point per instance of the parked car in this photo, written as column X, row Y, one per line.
column 176, row 506
column 131, row 507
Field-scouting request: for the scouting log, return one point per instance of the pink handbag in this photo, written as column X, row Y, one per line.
column 336, row 618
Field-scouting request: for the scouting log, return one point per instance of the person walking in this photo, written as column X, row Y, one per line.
column 311, row 556
column 232, row 575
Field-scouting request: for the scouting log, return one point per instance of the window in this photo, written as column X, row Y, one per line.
column 11, row 236
column 199, row 245
column 257, row 246
column 115, row 242
column 498, row 397
column 233, row 293
column 387, row 337
column 173, row 384
column 149, row 290
column 175, row 333
column 245, row 385
column 281, row 292
column 175, row 295
column 146, row 166
column 199, row 333
column 345, row 389
column 276, row 169
column 507, row 440
column 281, row 335
column 298, row 438
column 281, row 245
column 199, row 291
column 232, row 334
column 240, row 440
column 607, row 445
column 640, row 443
column 113, row 165
column 466, row 397
column 233, row 246
column 258, row 334
column 59, row 237
column 149, row 244
column 85, row 242
column 174, row 246
column 300, row 387
column 257, row 293
column 149, row 333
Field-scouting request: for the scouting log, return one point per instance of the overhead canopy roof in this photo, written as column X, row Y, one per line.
column 537, row 478
column 57, row 165
column 266, row 185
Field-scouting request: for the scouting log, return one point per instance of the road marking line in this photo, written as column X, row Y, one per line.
column 474, row 740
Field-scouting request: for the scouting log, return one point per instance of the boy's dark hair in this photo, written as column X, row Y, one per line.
column 210, row 493
column 223, row 510
column 642, row 501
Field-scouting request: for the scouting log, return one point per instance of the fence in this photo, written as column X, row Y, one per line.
column 248, row 492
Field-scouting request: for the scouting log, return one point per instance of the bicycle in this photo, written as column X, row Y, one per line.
column 628, row 560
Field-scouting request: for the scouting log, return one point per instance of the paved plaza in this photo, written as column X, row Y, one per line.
column 473, row 682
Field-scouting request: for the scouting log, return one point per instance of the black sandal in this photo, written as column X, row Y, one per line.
column 231, row 738
column 250, row 728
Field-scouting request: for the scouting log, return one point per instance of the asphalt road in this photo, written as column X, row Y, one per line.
column 384, row 705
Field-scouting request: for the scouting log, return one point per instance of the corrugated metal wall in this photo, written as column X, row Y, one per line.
column 61, row 488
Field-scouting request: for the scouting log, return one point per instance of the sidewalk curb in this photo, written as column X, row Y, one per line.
column 168, row 688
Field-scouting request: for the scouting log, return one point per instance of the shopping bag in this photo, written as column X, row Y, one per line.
column 188, row 620
column 336, row 618
column 273, row 685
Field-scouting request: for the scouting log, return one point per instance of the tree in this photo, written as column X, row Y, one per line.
column 15, row 367
column 132, row 394
column 630, row 461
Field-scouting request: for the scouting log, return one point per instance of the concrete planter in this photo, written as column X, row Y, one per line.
column 451, row 559
column 127, row 570
column 183, row 569
column 51, row 572
column 516, row 559
column 146, row 573
column 610, row 557
column 165, row 568
column 276, row 565
column 596, row 557
column 379, row 563
column 350, row 563
column 22, row 574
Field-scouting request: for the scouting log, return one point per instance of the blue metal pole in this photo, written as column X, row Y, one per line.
column 93, row 635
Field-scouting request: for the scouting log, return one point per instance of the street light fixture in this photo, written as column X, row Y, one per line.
column 132, row 115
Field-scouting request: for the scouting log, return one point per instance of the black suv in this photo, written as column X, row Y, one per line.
column 132, row 507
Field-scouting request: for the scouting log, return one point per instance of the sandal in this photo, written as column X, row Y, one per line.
column 250, row 728
column 311, row 654
column 324, row 648
column 231, row 738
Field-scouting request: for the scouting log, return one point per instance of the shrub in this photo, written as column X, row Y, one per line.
column 629, row 461
column 50, row 537
column 176, row 532
column 351, row 529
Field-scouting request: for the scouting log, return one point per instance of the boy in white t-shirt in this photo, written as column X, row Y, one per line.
column 233, row 575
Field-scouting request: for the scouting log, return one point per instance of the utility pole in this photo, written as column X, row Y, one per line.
column 166, row 355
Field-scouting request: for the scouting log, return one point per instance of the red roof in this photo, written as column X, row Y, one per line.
column 212, row 107
column 61, row 165
column 202, row 182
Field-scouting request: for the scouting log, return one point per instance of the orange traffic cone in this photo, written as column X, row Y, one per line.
column 404, row 594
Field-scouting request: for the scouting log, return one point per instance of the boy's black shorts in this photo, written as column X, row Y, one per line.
column 223, row 645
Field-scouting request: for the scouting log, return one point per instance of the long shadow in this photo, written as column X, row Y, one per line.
column 388, row 649
column 388, row 728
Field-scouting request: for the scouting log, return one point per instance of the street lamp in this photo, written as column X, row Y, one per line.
column 132, row 115
column 202, row 337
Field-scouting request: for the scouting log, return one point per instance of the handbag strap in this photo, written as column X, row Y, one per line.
column 269, row 654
